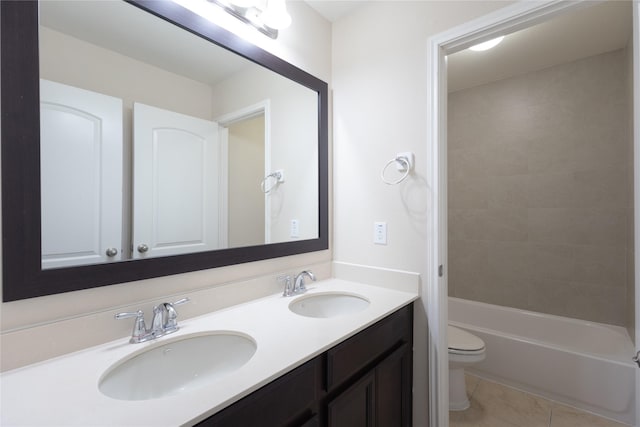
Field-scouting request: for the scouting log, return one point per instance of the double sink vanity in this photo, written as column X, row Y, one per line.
column 339, row 352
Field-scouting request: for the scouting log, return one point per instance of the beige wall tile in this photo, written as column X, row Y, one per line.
column 467, row 163
column 605, row 187
column 471, row 269
column 552, row 296
column 549, row 261
column 550, row 190
column 540, row 189
column 549, row 225
column 597, row 302
column 630, row 320
column 469, row 193
column 596, row 226
column 601, row 264
column 510, row 159
column 508, row 224
column 507, row 191
column 549, row 153
column 467, row 224
column 508, row 259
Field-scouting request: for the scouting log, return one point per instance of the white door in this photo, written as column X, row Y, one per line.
column 81, row 176
column 175, row 183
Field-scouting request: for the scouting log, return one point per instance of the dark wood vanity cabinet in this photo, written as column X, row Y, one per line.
column 365, row 381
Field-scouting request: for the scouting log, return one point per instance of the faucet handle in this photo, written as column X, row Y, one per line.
column 181, row 301
column 170, row 323
column 288, row 284
column 139, row 328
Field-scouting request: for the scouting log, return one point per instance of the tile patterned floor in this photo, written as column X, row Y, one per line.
column 495, row 405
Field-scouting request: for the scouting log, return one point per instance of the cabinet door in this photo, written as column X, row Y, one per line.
column 81, row 175
column 355, row 407
column 176, row 187
column 313, row 422
column 393, row 389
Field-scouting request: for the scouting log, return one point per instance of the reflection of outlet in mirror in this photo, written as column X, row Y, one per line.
column 380, row 233
column 295, row 228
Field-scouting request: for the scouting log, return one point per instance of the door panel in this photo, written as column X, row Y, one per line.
column 355, row 407
column 81, row 175
column 176, row 183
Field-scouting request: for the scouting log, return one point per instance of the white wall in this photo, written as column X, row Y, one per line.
column 379, row 109
column 39, row 328
column 292, row 125
column 245, row 199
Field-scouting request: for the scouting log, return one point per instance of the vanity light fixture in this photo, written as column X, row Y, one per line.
column 487, row 45
column 267, row 16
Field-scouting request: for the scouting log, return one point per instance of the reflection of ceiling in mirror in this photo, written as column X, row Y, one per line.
column 585, row 32
column 135, row 33
column 334, row 10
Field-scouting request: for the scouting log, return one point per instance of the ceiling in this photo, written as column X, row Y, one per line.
column 577, row 34
column 333, row 10
column 143, row 36
column 588, row 31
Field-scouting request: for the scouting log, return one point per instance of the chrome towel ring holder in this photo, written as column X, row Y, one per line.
column 274, row 178
column 404, row 164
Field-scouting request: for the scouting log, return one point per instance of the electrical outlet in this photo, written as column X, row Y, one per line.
column 295, row 229
column 380, row 233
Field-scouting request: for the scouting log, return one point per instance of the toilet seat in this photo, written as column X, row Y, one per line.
column 463, row 343
column 465, row 349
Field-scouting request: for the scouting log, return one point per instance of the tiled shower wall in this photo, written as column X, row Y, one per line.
column 538, row 190
column 630, row 309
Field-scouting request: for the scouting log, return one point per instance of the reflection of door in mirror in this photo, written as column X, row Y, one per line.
column 176, row 176
column 246, row 148
column 81, row 176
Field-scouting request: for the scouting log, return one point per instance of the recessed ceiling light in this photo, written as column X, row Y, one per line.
column 487, row 45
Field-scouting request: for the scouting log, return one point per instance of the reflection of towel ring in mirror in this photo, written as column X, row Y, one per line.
column 405, row 164
column 277, row 178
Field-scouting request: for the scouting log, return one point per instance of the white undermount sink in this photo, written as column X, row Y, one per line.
column 328, row 304
column 177, row 366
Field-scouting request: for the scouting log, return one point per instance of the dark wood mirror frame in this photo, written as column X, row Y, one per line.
column 23, row 276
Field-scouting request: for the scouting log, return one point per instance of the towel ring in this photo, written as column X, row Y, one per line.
column 277, row 176
column 405, row 165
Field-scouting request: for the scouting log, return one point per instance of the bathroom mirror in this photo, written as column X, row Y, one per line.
column 138, row 69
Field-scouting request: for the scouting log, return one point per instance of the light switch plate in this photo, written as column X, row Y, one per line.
column 380, row 233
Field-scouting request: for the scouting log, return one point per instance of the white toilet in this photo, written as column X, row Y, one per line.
column 464, row 349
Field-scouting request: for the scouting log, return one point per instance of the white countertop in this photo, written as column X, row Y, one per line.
column 64, row 390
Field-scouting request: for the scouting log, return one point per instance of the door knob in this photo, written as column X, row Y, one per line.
column 111, row 252
column 142, row 248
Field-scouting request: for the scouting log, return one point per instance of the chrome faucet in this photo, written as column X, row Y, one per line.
column 299, row 286
column 164, row 322
column 296, row 285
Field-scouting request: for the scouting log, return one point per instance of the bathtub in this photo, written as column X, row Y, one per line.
column 583, row 364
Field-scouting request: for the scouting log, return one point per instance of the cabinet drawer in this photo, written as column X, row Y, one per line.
column 361, row 351
column 282, row 402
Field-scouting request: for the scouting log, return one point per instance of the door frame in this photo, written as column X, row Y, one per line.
column 636, row 186
column 509, row 19
column 259, row 108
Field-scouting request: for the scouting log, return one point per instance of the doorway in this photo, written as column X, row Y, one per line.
column 505, row 21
